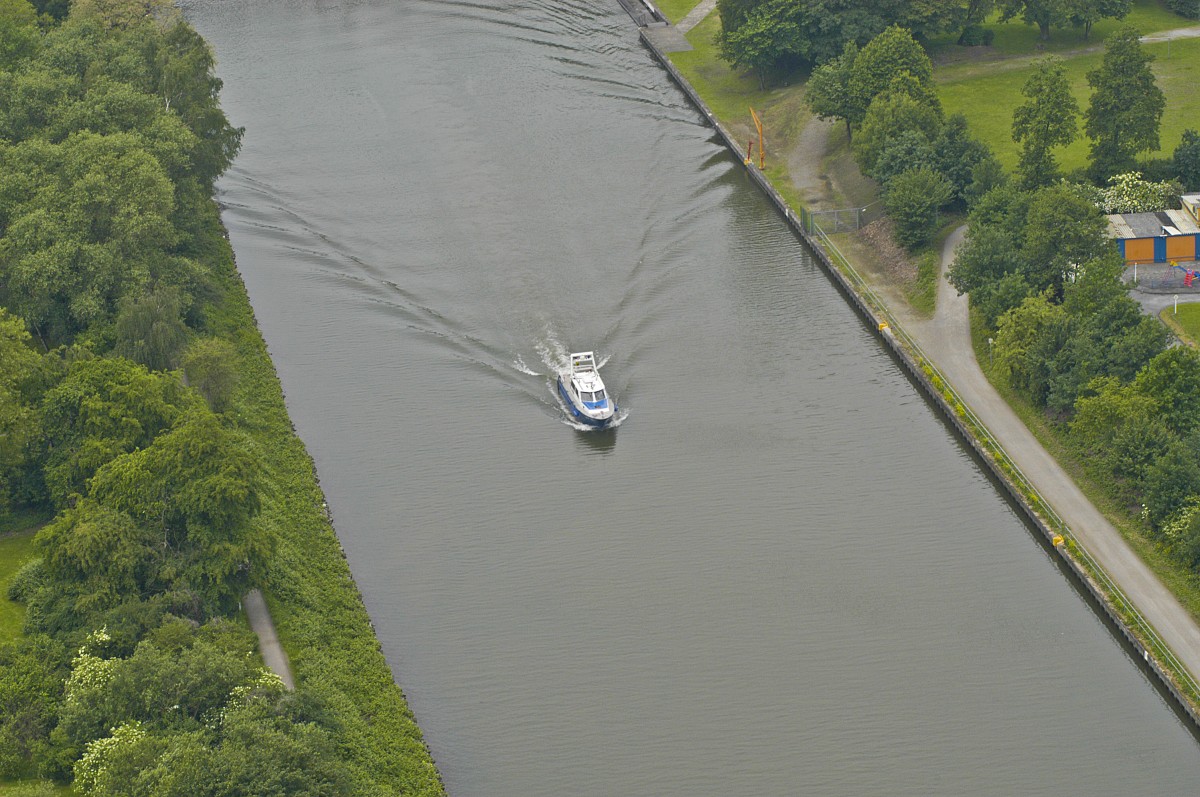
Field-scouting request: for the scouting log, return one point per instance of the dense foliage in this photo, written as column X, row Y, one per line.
column 768, row 34
column 899, row 135
column 172, row 495
column 1070, row 340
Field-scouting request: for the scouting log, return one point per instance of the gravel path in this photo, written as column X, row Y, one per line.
column 268, row 642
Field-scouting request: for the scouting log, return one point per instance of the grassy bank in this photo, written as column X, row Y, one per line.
column 16, row 548
column 1184, row 322
column 321, row 619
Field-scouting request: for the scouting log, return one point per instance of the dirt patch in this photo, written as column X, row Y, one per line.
column 891, row 261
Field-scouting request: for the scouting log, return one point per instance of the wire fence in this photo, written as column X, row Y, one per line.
column 1117, row 598
column 846, row 219
column 1165, row 277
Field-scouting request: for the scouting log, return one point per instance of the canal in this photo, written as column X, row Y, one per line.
column 780, row 575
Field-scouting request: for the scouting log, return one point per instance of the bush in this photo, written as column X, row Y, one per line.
column 975, row 36
column 1185, row 8
column 27, row 580
column 913, row 199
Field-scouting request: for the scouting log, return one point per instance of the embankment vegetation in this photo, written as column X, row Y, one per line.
column 143, row 434
column 1037, row 119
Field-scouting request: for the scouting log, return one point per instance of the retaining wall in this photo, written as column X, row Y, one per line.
column 913, row 368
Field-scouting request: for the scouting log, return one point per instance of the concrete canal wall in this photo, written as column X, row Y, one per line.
column 875, row 319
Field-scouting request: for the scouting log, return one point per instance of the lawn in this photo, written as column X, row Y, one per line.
column 1017, row 38
column 987, row 94
column 1185, row 321
column 16, row 547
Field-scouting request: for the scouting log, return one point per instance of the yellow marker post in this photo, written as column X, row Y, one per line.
column 762, row 152
column 1057, row 541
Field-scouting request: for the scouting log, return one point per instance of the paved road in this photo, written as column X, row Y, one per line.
column 946, row 341
column 268, row 641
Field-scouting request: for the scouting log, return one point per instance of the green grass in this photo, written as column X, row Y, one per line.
column 988, row 93
column 34, row 788
column 729, row 94
column 16, row 548
column 1017, row 38
column 675, row 10
column 1185, row 322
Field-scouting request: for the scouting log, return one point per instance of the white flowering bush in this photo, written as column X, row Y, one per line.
column 1176, row 526
column 1129, row 193
column 89, row 672
column 93, row 773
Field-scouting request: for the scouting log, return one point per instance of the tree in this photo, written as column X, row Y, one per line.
column 1172, row 381
column 196, row 488
column 1027, row 339
column 889, row 116
column 1045, row 120
column 985, row 175
column 1126, row 106
column 1063, row 231
column 32, row 670
column 909, row 149
column 210, row 365
column 828, row 90
column 1085, row 13
column 913, row 199
column 956, row 154
column 19, row 363
column 1172, row 480
column 970, row 13
column 89, row 217
column 1043, row 13
column 102, row 409
column 19, row 36
column 150, row 329
column 881, row 62
column 988, row 265
column 1186, row 160
column 734, row 13
column 98, row 558
column 769, row 34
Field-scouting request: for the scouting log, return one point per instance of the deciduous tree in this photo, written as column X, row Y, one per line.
column 1045, row 120
column 1126, row 106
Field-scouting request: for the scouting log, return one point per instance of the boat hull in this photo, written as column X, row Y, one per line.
column 599, row 420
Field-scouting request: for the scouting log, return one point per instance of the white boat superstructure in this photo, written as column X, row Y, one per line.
column 583, row 391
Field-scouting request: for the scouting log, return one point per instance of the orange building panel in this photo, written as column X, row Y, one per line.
column 1140, row 250
column 1179, row 247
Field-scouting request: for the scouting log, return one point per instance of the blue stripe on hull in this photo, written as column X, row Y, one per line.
column 599, row 423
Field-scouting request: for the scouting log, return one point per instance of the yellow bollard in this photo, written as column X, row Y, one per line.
column 1058, row 540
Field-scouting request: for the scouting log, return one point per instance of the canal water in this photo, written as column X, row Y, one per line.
column 780, row 575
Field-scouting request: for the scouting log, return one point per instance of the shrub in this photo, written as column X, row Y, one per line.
column 913, row 199
column 976, row 35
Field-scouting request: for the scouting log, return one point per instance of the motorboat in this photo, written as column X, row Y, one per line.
column 583, row 391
